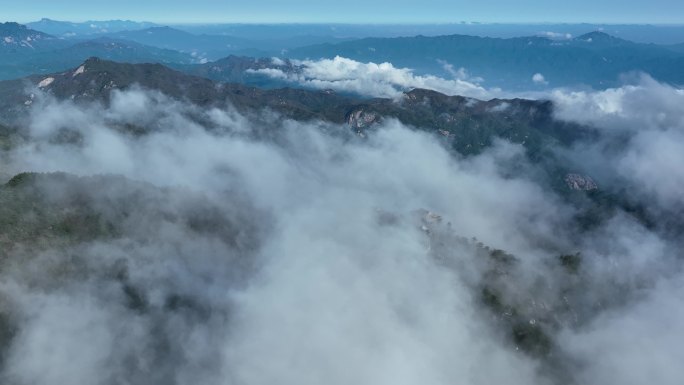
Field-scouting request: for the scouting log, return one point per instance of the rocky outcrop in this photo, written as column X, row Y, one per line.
column 580, row 182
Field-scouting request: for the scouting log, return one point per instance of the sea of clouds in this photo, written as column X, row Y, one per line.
column 318, row 265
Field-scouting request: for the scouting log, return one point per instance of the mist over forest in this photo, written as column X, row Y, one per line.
column 337, row 219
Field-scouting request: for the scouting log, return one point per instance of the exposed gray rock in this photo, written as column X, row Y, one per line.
column 580, row 182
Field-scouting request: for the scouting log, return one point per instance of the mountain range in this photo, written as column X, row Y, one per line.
column 202, row 46
column 595, row 59
column 76, row 87
column 468, row 126
column 16, row 39
column 69, row 29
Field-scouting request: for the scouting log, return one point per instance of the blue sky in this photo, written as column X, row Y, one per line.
column 350, row 11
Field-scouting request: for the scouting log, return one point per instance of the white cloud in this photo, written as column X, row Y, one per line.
column 648, row 120
column 460, row 73
column 539, row 79
column 337, row 296
column 330, row 292
column 556, row 35
column 379, row 80
column 622, row 338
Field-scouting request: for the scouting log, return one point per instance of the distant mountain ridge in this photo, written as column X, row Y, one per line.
column 218, row 46
column 86, row 28
column 123, row 50
column 26, row 51
column 17, row 38
column 240, row 69
column 203, row 46
column 596, row 59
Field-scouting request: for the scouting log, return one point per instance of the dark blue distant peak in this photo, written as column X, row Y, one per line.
column 599, row 37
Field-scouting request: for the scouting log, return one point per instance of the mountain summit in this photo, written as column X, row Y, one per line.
column 16, row 37
column 602, row 38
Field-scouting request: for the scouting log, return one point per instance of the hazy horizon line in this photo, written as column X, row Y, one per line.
column 382, row 23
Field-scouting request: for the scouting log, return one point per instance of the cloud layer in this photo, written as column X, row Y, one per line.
column 297, row 252
column 372, row 79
